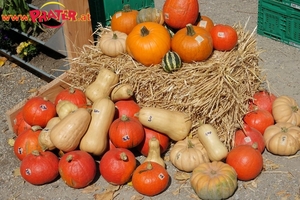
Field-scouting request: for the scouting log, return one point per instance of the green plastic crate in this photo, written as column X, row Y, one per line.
column 279, row 22
column 102, row 10
column 291, row 3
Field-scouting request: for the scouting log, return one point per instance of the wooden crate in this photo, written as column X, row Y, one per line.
column 49, row 91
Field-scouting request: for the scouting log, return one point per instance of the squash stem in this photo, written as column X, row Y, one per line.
column 124, row 118
column 190, row 30
column 295, row 108
column 190, row 144
column 144, row 31
column 69, row 158
column 35, row 153
column 71, row 90
column 36, row 128
column 126, row 8
column 123, row 156
column 115, row 36
column 149, row 167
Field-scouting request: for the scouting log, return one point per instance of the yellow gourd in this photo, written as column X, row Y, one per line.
column 96, row 138
column 103, row 85
column 154, row 152
column 175, row 124
column 208, row 136
column 67, row 134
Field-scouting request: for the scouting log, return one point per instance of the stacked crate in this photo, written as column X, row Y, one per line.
column 280, row 20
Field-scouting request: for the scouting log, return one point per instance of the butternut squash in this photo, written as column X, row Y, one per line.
column 175, row 124
column 44, row 136
column 64, row 107
column 95, row 139
column 122, row 91
column 154, row 152
column 66, row 135
column 103, row 85
column 207, row 135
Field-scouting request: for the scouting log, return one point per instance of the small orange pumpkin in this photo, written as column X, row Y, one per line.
column 205, row 22
column 150, row 178
column 124, row 20
column 148, row 42
column 192, row 43
column 179, row 13
column 126, row 132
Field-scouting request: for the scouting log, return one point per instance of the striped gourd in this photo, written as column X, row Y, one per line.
column 171, row 62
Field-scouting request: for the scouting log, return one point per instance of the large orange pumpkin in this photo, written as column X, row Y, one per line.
column 148, row 42
column 124, row 20
column 179, row 13
column 192, row 43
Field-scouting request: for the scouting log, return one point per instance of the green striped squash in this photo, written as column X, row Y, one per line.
column 171, row 62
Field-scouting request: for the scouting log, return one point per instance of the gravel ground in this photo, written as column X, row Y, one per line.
column 279, row 180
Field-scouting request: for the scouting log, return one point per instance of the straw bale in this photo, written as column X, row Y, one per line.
column 216, row 91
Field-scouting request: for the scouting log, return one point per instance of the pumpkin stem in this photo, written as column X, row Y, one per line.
column 35, row 153
column 190, row 144
column 144, row 31
column 36, row 128
column 284, row 129
column 126, row 8
column 115, row 36
column 295, row 108
column 69, row 158
column 190, row 30
column 149, row 167
column 71, row 90
column 124, row 118
column 123, row 156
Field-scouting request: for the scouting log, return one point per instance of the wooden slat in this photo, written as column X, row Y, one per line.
column 77, row 33
column 49, row 91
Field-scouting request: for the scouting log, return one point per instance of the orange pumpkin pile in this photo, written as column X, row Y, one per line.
column 152, row 33
column 105, row 124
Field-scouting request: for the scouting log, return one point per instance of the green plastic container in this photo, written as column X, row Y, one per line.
column 291, row 3
column 102, row 10
column 279, row 21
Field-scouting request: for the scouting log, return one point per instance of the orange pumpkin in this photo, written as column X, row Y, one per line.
column 246, row 160
column 150, row 178
column 179, row 13
column 126, row 132
column 124, row 20
column 206, row 23
column 27, row 142
column 192, row 43
column 148, row 42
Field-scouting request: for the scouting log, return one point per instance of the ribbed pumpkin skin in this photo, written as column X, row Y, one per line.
column 149, row 48
column 216, row 180
column 179, row 13
column 171, row 62
column 192, row 44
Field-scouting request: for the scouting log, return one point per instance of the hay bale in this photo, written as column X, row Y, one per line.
column 216, row 91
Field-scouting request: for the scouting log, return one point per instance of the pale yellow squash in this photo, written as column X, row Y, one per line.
column 105, row 81
column 96, row 138
column 175, row 124
column 66, row 135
